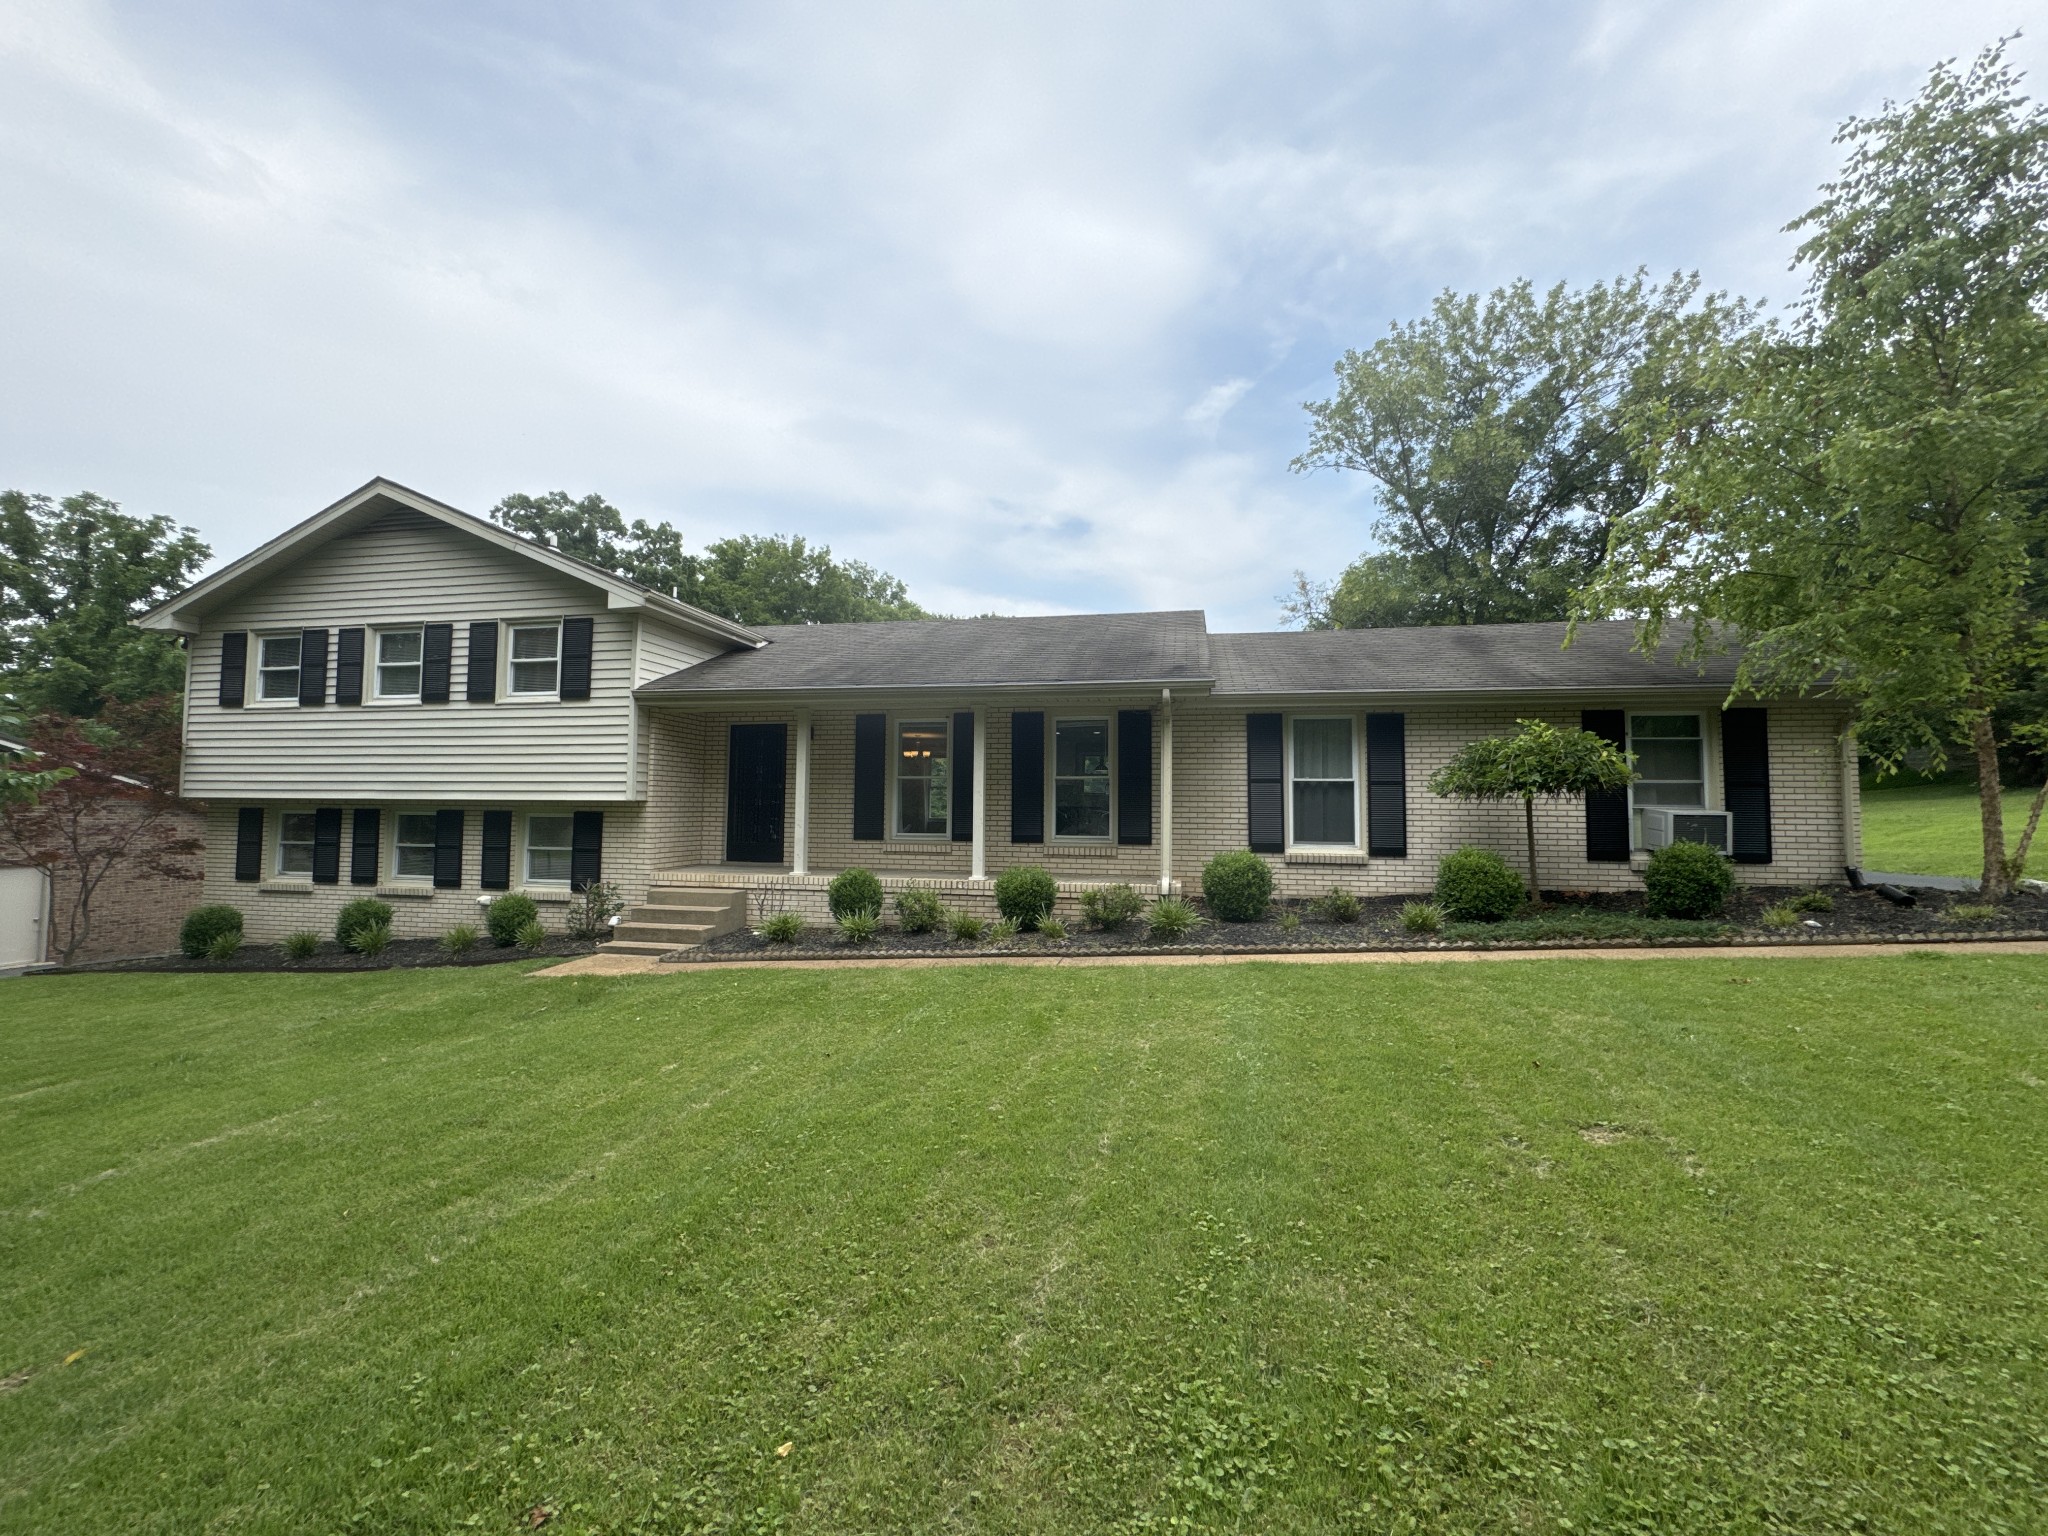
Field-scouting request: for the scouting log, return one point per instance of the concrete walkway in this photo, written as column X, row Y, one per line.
column 642, row 965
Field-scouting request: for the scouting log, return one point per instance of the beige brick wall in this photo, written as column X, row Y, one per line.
column 133, row 912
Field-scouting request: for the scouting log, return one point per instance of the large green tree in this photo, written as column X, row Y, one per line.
column 1496, row 431
column 1859, row 498
column 73, row 573
column 752, row 578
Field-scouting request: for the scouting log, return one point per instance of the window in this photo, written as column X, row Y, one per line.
column 923, row 779
column 1671, row 760
column 1325, row 793
column 295, row 841
column 413, row 858
column 277, row 669
column 548, row 840
column 1080, row 778
column 398, row 664
column 536, row 658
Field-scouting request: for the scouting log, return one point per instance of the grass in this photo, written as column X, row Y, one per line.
column 1932, row 829
column 1714, row 1244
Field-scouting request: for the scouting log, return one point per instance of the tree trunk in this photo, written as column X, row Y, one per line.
column 1529, row 828
column 2017, row 864
column 1997, row 881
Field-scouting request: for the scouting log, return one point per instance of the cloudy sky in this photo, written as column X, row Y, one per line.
column 1019, row 302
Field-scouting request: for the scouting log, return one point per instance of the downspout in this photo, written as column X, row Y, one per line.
column 1166, row 791
column 978, row 857
column 800, row 864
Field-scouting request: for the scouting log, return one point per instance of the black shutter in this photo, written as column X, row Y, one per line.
column 576, row 644
column 1264, row 793
column 437, row 657
column 483, row 661
column 1746, row 776
column 1607, row 833
column 1386, row 786
column 586, row 850
column 348, row 667
column 234, row 670
column 447, row 850
column 249, row 842
column 497, row 852
column 327, row 845
column 964, row 747
column 1027, row 776
column 313, row 668
column 1134, row 777
column 870, row 771
column 362, row 852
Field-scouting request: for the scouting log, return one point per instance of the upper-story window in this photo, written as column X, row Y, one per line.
column 1671, row 760
column 1080, row 779
column 398, row 663
column 924, row 797
column 536, row 659
column 1323, row 768
column 277, row 668
column 295, row 843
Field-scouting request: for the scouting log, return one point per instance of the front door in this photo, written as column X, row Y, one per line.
column 753, row 794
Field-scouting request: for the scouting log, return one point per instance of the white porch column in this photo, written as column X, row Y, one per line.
column 978, row 869
column 801, row 862
column 1165, row 791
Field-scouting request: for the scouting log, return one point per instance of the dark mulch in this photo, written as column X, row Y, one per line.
column 1568, row 920
column 401, row 954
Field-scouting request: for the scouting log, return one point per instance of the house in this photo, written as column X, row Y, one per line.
column 397, row 698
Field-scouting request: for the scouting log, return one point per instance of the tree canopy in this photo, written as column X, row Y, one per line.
column 1539, row 761
column 749, row 578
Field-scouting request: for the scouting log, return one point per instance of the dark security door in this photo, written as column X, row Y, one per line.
column 753, row 794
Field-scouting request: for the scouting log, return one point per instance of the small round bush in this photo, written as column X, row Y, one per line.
column 460, row 939
column 363, row 912
column 1171, row 918
column 301, row 945
column 782, row 927
column 1110, row 907
column 919, row 910
column 224, row 945
column 1237, row 886
column 853, row 890
column 1475, row 885
column 1687, row 880
column 860, row 925
column 507, row 915
column 371, row 940
column 205, row 924
column 531, row 935
column 1340, row 906
column 1025, row 894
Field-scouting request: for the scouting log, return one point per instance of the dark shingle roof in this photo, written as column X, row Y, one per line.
column 1454, row 659
column 1079, row 648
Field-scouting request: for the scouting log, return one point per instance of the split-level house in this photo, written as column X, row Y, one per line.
column 396, row 698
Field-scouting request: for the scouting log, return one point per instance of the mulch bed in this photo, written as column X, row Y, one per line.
column 1575, row 921
column 399, row 955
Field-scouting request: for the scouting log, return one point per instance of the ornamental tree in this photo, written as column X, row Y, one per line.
column 1539, row 760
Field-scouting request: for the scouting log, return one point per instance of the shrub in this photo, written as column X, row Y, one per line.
column 1237, row 886
column 1475, row 885
column 224, row 945
column 1110, row 907
column 1422, row 917
column 1002, row 928
column 1171, row 918
column 507, row 915
column 782, row 927
column 1970, row 912
column 919, row 910
column 860, row 925
column 1289, row 920
column 591, row 913
column 1340, row 906
column 460, row 939
column 1783, row 915
column 371, row 940
column 1813, row 901
column 1052, row 928
column 1687, row 880
column 301, row 945
column 363, row 912
column 966, row 927
column 1025, row 894
column 531, row 935
column 205, row 924
column 853, row 890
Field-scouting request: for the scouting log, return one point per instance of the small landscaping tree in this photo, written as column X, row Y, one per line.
column 1539, row 759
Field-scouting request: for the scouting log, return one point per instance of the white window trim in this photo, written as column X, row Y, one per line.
column 506, row 692
column 376, row 693
column 526, row 851
column 255, row 670
column 277, row 869
column 1357, row 725
column 391, row 851
column 1052, row 787
column 1710, row 752
column 896, row 723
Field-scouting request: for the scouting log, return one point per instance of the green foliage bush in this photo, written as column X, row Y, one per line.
column 363, row 912
column 224, row 945
column 1002, row 928
column 531, row 935
column 1783, row 915
column 854, row 890
column 1340, row 906
column 1475, row 885
column 1110, row 907
column 919, row 910
column 1422, row 916
column 1813, row 901
column 1290, row 920
column 460, row 939
column 966, row 927
column 203, row 925
column 1971, row 912
column 591, row 913
column 1237, row 886
column 782, row 927
column 1171, row 918
column 507, row 915
column 1687, row 880
column 1025, row 894
column 1052, row 928
column 301, row 945
column 860, row 925
column 371, row 939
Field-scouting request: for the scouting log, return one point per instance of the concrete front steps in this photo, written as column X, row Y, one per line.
column 676, row 917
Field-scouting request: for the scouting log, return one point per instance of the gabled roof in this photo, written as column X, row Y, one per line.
column 378, row 498
column 1154, row 649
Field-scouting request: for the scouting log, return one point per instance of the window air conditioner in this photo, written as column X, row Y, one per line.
column 1663, row 827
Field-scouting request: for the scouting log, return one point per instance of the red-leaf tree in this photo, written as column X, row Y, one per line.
column 114, row 809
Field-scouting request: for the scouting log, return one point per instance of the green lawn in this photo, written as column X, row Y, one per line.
column 1932, row 829
column 1717, row 1244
